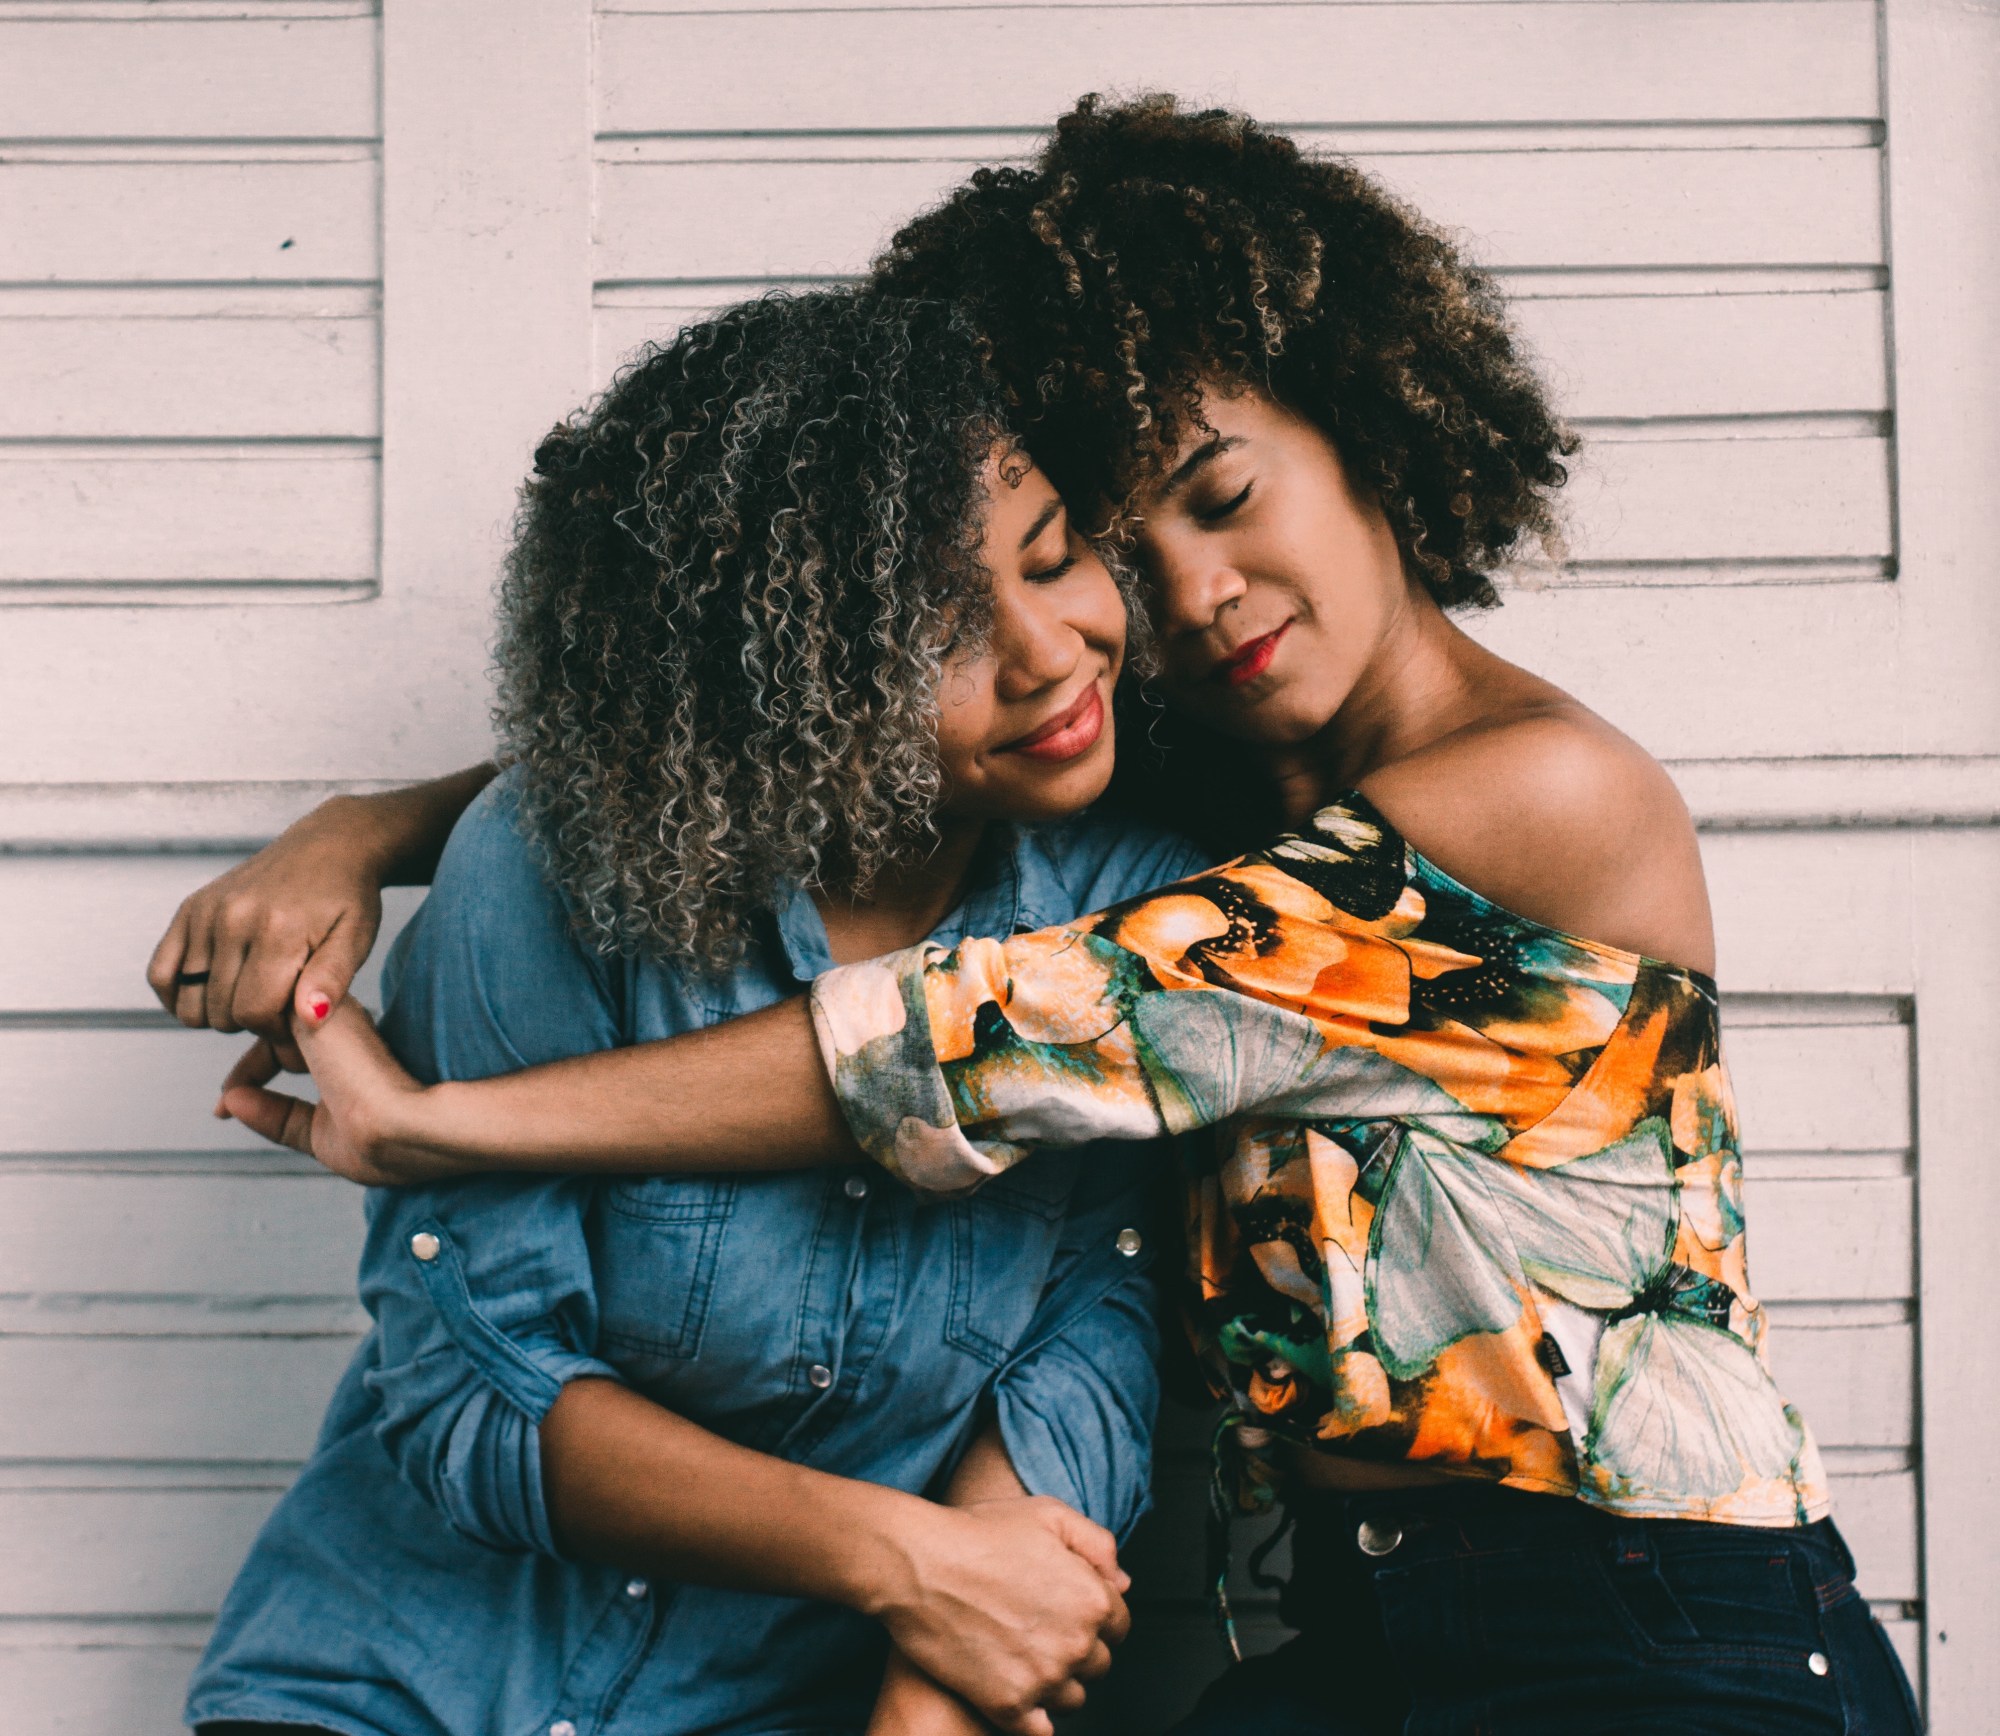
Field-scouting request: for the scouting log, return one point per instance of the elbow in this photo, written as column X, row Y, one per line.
column 474, row 1458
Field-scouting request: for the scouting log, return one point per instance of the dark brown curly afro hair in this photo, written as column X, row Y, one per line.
column 1150, row 251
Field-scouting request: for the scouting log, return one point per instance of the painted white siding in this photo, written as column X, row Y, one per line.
column 287, row 291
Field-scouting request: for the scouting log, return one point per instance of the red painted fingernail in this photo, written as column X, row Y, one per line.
column 319, row 1006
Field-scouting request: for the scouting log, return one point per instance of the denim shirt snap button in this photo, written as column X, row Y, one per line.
column 424, row 1245
column 820, row 1375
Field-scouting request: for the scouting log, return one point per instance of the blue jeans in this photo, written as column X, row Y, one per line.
column 1487, row 1612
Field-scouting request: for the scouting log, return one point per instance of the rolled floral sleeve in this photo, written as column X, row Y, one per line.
column 1263, row 985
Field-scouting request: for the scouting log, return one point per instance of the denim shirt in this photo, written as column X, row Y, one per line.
column 409, row 1583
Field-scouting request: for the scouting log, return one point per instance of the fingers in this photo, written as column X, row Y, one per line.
column 1094, row 1664
column 1065, row 1697
column 272, row 1115
column 261, row 995
column 226, row 959
column 165, row 963
column 1088, row 1539
column 1118, row 1623
column 1033, row 1722
column 328, row 973
column 257, row 1065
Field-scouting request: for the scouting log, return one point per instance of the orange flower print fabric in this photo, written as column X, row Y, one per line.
column 1477, row 1202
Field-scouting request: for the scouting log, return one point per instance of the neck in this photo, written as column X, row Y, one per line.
column 905, row 903
column 1417, row 688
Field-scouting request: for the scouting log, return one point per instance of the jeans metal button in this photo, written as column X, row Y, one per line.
column 1817, row 1663
column 1378, row 1536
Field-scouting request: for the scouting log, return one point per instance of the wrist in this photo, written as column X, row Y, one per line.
column 356, row 828
column 882, row 1544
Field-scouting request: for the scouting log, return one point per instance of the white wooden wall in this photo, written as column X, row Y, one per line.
column 288, row 289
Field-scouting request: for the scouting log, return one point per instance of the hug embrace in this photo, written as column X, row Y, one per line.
column 829, row 1058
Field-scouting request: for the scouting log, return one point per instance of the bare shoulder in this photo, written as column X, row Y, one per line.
column 1556, row 815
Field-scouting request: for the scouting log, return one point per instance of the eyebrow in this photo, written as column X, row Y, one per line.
column 1042, row 521
column 1186, row 470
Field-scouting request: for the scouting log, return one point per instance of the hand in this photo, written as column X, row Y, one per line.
column 366, row 1125
column 299, row 916
column 1012, row 1604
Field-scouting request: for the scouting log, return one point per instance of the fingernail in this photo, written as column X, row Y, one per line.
column 319, row 1006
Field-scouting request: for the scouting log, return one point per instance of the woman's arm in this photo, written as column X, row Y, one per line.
column 910, row 1702
column 302, row 913
column 1008, row 1601
column 750, row 1094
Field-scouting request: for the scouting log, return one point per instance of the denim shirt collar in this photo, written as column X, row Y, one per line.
column 1014, row 888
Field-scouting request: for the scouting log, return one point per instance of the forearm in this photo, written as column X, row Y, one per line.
column 403, row 832
column 910, row 1703
column 631, row 1483
column 749, row 1094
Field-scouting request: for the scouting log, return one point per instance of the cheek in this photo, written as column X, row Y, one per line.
column 965, row 716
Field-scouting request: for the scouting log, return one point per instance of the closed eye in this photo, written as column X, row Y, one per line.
column 1216, row 514
column 1048, row 575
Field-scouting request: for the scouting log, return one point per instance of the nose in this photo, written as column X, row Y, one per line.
column 1035, row 642
column 1193, row 586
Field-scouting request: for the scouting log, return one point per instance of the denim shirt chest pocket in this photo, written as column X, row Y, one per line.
column 658, row 1240
column 1001, row 1237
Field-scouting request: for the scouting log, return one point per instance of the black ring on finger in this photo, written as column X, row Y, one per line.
column 190, row 979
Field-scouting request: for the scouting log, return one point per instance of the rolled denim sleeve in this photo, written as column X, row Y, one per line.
column 482, row 1291
column 1077, row 1402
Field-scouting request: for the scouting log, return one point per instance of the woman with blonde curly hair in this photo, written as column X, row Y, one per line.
column 800, row 660
column 1467, row 1268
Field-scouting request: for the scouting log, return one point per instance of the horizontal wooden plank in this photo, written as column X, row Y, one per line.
column 124, row 1552
column 1628, row 500
column 281, row 219
column 1719, row 672
column 1400, row 64
column 1821, row 1087
column 1878, row 1516
column 187, row 513
column 1712, row 355
column 1609, row 356
column 116, row 1090
column 208, row 1236
column 129, row 377
column 1832, row 1240
column 92, row 1689
column 241, row 1399
column 81, row 928
column 1854, row 1385
column 814, row 217
column 194, row 78
column 1804, row 911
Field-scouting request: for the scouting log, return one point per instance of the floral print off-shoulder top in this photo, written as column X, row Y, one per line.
column 1477, row 1204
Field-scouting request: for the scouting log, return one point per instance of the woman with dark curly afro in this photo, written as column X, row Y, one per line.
column 1467, row 1262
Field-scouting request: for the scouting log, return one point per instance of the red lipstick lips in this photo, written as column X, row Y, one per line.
column 1250, row 660
column 1068, row 734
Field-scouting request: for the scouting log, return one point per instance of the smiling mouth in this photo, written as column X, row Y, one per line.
column 1068, row 733
column 1250, row 660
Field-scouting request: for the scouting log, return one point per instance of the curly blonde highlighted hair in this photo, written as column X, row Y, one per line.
column 735, row 582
